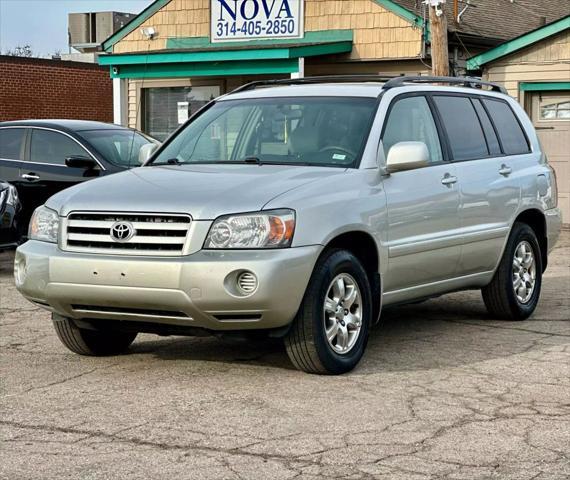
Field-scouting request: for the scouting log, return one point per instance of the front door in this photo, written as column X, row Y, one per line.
column 44, row 172
column 422, row 204
column 550, row 113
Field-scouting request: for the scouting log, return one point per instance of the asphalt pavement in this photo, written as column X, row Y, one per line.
column 443, row 392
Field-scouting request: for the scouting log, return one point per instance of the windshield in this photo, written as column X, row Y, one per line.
column 119, row 147
column 327, row 131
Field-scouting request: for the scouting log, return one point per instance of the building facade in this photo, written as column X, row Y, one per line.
column 41, row 88
column 182, row 62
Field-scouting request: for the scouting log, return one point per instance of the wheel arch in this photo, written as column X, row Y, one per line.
column 363, row 246
column 536, row 220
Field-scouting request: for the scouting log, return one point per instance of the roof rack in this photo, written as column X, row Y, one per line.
column 387, row 81
column 313, row 80
column 468, row 82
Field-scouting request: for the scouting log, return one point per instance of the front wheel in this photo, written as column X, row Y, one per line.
column 515, row 289
column 91, row 342
column 330, row 332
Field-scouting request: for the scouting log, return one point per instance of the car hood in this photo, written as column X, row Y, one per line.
column 203, row 191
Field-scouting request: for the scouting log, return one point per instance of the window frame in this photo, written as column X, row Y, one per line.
column 28, row 156
column 558, row 101
column 473, row 96
column 495, row 131
column 443, row 141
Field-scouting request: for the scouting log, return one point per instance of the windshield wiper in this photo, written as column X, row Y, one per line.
column 255, row 160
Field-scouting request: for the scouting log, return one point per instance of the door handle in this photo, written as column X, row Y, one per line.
column 30, row 177
column 505, row 170
column 448, row 179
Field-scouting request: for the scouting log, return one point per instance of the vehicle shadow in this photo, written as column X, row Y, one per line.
column 449, row 331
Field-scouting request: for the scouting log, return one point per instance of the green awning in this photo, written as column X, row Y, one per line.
column 198, row 57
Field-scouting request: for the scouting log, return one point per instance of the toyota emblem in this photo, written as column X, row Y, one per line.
column 122, row 231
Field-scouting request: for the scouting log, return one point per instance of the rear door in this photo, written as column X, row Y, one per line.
column 489, row 147
column 44, row 172
column 422, row 204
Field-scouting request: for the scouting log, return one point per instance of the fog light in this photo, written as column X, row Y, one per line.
column 246, row 283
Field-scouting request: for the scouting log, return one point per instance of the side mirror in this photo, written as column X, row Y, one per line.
column 81, row 162
column 146, row 152
column 407, row 156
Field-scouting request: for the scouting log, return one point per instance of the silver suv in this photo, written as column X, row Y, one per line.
column 298, row 209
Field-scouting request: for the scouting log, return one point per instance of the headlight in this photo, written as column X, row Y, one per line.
column 44, row 225
column 271, row 229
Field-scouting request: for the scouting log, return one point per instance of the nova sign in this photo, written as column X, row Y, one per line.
column 255, row 19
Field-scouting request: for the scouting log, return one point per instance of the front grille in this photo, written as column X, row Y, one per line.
column 149, row 234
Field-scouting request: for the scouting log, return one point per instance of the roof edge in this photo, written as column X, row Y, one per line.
column 136, row 22
column 401, row 12
column 518, row 43
column 154, row 7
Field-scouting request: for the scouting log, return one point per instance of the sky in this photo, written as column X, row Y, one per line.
column 43, row 23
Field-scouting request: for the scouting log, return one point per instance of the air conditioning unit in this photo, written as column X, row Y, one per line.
column 88, row 30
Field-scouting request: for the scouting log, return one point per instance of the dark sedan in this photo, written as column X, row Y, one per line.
column 42, row 157
column 10, row 208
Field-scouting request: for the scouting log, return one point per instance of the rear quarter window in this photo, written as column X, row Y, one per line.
column 511, row 134
column 11, row 140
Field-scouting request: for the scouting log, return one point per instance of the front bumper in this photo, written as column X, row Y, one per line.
column 193, row 291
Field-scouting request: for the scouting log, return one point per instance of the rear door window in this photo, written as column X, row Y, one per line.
column 490, row 134
column 11, row 140
column 510, row 132
column 462, row 126
column 54, row 147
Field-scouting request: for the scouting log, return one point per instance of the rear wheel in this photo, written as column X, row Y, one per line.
column 514, row 292
column 330, row 332
column 91, row 342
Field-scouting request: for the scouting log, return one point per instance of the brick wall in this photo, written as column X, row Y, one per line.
column 32, row 88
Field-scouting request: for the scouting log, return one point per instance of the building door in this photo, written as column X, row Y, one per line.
column 550, row 113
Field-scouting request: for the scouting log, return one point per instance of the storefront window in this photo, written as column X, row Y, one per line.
column 166, row 108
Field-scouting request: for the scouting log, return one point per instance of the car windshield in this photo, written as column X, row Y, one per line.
column 322, row 131
column 119, row 147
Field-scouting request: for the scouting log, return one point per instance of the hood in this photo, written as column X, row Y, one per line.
column 203, row 191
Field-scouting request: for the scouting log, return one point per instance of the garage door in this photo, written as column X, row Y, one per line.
column 551, row 117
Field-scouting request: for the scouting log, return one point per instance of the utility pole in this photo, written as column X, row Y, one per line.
column 438, row 31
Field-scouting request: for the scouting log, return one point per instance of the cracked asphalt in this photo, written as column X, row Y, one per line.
column 443, row 392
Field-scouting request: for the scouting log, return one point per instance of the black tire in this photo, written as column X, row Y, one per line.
column 306, row 342
column 499, row 296
column 96, row 343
